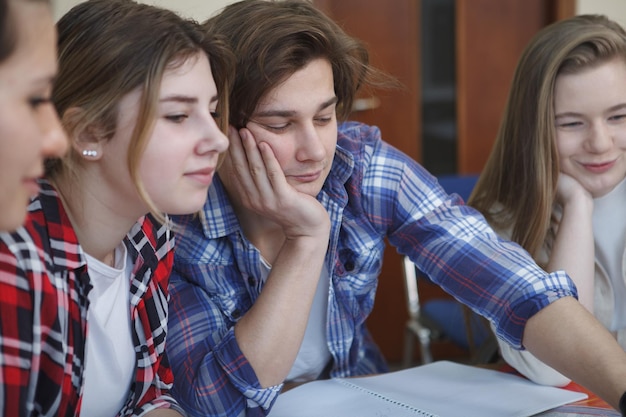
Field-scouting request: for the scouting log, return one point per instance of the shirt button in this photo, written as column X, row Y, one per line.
column 236, row 314
column 349, row 266
column 251, row 281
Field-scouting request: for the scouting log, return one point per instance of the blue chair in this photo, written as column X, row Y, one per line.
column 445, row 318
column 459, row 184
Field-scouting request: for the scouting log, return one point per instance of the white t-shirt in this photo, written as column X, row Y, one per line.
column 313, row 355
column 110, row 357
column 609, row 233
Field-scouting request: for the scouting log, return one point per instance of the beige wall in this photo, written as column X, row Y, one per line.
column 196, row 9
column 614, row 9
column 201, row 9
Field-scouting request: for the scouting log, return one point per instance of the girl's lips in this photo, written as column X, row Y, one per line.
column 203, row 176
column 31, row 185
column 599, row 168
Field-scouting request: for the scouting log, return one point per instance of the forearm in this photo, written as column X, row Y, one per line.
column 271, row 332
column 530, row 366
column 504, row 285
column 573, row 249
column 567, row 337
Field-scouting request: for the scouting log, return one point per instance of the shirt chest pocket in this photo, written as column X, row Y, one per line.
column 359, row 247
column 358, row 267
column 356, row 279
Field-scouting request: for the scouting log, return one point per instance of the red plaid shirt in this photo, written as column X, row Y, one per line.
column 44, row 285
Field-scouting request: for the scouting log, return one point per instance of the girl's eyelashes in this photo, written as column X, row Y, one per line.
column 180, row 117
column 37, row 101
column 176, row 118
column 570, row 124
column 618, row 117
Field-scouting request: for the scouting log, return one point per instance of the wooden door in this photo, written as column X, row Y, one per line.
column 490, row 37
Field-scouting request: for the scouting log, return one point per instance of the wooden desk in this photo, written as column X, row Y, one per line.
column 592, row 406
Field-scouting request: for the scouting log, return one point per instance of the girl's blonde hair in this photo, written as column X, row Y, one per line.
column 110, row 48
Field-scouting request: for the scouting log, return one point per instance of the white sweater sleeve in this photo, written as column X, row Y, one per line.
column 532, row 368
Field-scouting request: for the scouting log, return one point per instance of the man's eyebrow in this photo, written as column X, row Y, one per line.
column 328, row 103
column 289, row 113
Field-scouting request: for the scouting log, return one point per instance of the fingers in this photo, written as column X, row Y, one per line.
column 273, row 169
column 258, row 176
column 257, row 162
column 239, row 173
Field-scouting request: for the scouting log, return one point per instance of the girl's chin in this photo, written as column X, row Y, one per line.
column 13, row 217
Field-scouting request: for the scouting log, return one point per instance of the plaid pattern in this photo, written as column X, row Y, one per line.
column 374, row 193
column 44, row 285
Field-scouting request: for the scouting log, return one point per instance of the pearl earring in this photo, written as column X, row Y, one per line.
column 90, row 153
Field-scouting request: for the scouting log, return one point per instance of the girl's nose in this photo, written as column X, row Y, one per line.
column 213, row 139
column 600, row 139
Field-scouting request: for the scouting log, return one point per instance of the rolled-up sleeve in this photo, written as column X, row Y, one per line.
column 454, row 246
column 212, row 377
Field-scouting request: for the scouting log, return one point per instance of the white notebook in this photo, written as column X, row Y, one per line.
column 439, row 389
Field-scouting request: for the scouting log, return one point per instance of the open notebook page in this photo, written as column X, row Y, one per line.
column 440, row 389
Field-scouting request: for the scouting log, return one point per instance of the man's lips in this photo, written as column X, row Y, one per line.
column 307, row 177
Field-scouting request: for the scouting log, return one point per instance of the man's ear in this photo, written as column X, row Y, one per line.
column 86, row 140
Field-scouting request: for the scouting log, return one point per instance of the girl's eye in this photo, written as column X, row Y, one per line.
column 37, row 101
column 176, row 118
column 569, row 125
column 216, row 115
column 618, row 117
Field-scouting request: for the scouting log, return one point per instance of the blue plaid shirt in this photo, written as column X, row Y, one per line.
column 373, row 192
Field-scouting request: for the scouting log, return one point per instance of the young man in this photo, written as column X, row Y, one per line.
column 274, row 282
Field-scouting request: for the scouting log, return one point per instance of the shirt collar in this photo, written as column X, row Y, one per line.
column 63, row 239
column 218, row 216
column 147, row 237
